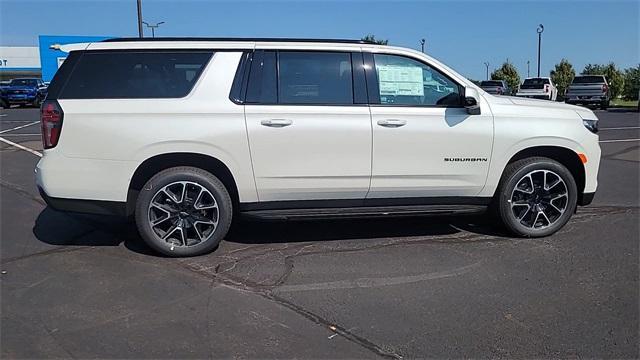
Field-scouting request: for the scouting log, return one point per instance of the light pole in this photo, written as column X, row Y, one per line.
column 487, row 65
column 540, row 30
column 140, row 34
column 153, row 27
column 528, row 68
column 422, row 41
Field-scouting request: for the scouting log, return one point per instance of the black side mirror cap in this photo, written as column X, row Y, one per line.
column 471, row 104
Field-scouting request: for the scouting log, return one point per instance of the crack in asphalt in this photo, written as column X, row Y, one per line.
column 313, row 317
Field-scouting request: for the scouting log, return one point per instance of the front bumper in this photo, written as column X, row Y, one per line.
column 586, row 198
column 12, row 99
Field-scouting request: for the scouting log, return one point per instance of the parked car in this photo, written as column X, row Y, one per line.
column 538, row 88
column 588, row 90
column 194, row 132
column 25, row 91
column 496, row 87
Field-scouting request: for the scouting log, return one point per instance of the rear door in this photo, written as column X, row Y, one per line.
column 308, row 125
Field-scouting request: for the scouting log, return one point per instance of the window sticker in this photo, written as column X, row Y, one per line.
column 398, row 80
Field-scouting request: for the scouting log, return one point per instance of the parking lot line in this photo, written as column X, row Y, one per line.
column 19, row 127
column 619, row 140
column 36, row 153
column 620, row 128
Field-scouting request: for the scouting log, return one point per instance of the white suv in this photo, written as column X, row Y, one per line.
column 185, row 134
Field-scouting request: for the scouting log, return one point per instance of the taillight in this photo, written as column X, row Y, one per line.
column 546, row 88
column 605, row 88
column 500, row 90
column 51, row 123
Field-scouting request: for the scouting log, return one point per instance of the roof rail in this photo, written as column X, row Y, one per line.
column 301, row 40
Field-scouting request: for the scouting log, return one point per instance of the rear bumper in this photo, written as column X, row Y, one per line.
column 534, row 96
column 85, row 206
column 591, row 100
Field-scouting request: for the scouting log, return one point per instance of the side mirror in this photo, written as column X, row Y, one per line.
column 471, row 97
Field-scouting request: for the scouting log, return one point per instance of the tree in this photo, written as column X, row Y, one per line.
column 614, row 76
column 508, row 73
column 563, row 75
column 631, row 83
column 593, row 69
column 372, row 38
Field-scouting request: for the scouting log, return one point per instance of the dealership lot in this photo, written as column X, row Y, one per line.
column 86, row 286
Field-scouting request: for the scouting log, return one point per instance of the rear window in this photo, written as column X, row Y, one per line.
column 491, row 83
column 135, row 74
column 536, row 83
column 594, row 79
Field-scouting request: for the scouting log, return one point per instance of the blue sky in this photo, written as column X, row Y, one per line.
column 463, row 34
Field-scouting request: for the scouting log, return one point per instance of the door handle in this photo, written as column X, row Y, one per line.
column 392, row 123
column 276, row 122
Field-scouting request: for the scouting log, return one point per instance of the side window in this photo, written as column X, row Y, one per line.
column 263, row 83
column 135, row 74
column 404, row 81
column 315, row 78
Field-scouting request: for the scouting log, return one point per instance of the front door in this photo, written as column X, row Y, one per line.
column 425, row 144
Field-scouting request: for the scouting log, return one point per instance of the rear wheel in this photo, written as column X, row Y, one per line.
column 536, row 197
column 183, row 211
column 604, row 105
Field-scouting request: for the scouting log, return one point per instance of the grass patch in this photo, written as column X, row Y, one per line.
column 624, row 103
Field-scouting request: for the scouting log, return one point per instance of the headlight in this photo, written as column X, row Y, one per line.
column 591, row 125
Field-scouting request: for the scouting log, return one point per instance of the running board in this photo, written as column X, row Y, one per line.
column 409, row 210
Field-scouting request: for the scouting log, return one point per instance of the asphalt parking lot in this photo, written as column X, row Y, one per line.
column 86, row 287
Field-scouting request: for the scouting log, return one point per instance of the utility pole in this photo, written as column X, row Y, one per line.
column 140, row 34
column 422, row 41
column 153, row 27
column 528, row 68
column 487, row 65
column 540, row 30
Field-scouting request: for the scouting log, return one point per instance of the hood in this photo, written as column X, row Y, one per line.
column 543, row 105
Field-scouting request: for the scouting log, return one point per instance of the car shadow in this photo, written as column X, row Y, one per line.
column 67, row 229
column 71, row 229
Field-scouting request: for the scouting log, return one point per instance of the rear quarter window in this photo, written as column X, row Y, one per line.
column 135, row 74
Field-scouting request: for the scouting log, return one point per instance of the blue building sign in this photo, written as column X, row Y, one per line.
column 51, row 59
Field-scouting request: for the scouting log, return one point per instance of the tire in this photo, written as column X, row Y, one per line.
column 191, row 225
column 511, row 204
column 604, row 105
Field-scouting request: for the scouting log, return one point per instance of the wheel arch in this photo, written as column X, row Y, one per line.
column 157, row 163
column 563, row 155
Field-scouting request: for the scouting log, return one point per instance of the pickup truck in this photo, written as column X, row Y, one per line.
column 495, row 87
column 538, row 88
column 589, row 89
column 24, row 91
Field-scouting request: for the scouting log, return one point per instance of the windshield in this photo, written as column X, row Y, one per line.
column 535, row 83
column 24, row 82
column 489, row 83
column 593, row 79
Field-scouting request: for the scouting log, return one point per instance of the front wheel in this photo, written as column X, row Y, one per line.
column 536, row 197
column 183, row 211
